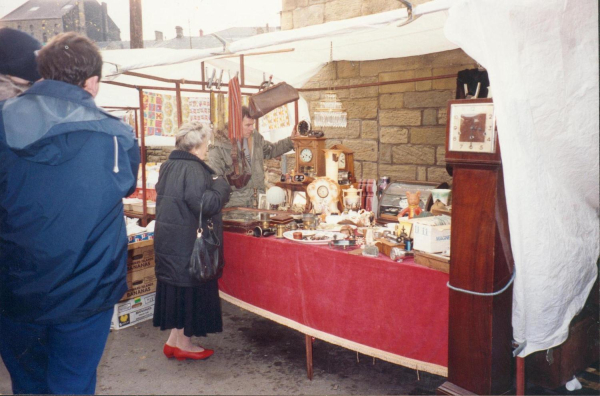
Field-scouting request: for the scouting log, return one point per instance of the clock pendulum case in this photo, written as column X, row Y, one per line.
column 309, row 155
column 479, row 327
column 345, row 165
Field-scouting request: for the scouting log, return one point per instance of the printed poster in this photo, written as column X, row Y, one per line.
column 276, row 119
column 160, row 114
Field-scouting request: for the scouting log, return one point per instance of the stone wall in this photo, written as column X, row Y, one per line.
column 158, row 154
column 41, row 29
column 300, row 13
column 395, row 130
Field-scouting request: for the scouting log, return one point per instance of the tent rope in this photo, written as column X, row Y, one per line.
column 458, row 289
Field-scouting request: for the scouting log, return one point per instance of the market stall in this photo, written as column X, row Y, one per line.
column 546, row 96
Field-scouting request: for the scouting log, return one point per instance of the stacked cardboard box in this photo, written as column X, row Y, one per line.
column 138, row 302
column 133, row 311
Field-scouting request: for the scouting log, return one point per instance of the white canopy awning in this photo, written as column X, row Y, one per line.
column 303, row 53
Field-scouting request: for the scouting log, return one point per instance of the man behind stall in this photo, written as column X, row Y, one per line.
column 254, row 150
column 65, row 165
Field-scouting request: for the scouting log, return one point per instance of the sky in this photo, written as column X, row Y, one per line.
column 191, row 15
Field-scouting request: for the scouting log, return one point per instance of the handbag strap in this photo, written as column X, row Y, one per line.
column 200, row 230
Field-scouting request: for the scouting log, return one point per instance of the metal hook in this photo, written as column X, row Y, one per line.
column 220, row 80
column 409, row 10
column 211, row 79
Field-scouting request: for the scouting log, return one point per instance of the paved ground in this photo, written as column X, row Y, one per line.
column 256, row 356
column 252, row 356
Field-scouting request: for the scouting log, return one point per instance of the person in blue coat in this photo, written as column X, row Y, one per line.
column 65, row 166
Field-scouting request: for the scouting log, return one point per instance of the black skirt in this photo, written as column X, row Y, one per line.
column 196, row 310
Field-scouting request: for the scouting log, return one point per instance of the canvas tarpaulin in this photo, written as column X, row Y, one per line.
column 307, row 50
column 542, row 61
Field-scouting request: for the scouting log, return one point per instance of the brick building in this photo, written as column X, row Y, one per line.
column 44, row 19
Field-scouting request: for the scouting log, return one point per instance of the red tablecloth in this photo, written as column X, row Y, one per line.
column 398, row 308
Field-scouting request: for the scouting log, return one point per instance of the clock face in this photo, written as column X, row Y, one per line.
column 472, row 128
column 306, row 155
column 322, row 191
column 342, row 161
column 324, row 194
column 303, row 127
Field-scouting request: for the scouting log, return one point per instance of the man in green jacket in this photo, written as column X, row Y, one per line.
column 254, row 150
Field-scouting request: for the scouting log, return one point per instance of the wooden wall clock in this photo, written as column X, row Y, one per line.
column 479, row 329
column 309, row 155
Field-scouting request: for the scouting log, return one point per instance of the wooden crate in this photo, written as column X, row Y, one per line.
column 433, row 261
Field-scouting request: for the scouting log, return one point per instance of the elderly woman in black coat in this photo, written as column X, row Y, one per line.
column 186, row 185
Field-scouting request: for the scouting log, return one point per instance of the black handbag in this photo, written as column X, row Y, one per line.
column 206, row 262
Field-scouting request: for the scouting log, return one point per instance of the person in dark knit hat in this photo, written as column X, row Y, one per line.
column 18, row 66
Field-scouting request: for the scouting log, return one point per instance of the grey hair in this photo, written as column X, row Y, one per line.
column 10, row 88
column 191, row 135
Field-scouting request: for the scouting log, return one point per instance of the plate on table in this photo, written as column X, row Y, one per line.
column 321, row 237
column 333, row 227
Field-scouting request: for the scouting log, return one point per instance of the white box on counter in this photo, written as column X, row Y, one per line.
column 133, row 311
column 432, row 234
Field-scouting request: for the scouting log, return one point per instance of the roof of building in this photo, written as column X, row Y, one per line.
column 40, row 9
column 197, row 42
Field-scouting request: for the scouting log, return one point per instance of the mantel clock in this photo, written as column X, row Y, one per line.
column 310, row 159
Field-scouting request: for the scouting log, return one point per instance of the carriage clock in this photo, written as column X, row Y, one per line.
column 310, row 160
column 479, row 327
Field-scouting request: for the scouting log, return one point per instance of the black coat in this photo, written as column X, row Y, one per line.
column 184, row 183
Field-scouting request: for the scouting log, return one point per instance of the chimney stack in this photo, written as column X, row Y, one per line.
column 201, row 33
column 158, row 35
column 178, row 32
column 104, row 27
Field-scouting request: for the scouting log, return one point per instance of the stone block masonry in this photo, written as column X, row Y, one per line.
column 398, row 129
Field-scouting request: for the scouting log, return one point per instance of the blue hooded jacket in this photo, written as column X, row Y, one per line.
column 65, row 165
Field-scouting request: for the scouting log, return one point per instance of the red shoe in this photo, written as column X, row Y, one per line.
column 182, row 355
column 169, row 351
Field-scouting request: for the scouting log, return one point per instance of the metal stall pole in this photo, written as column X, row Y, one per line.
column 143, row 162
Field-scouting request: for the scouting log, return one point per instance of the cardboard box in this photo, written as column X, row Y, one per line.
column 140, row 255
column 141, row 278
column 431, row 238
column 140, row 283
column 142, row 236
column 133, row 311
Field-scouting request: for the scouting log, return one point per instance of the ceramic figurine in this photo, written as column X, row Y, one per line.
column 413, row 208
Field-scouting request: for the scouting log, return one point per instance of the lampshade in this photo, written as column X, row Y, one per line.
column 275, row 195
column 330, row 112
